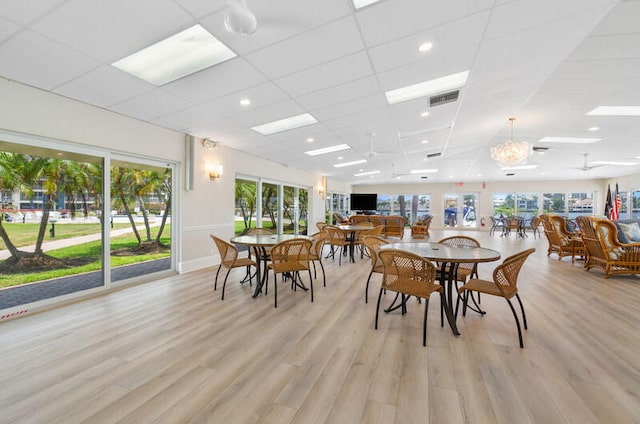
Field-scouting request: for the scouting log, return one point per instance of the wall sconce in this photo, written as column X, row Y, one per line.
column 215, row 171
column 322, row 186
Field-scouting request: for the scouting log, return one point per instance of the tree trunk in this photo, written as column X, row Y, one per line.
column 43, row 224
column 15, row 253
column 167, row 211
column 123, row 199
column 145, row 217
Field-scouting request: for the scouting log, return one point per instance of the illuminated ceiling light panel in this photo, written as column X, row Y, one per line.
column 573, row 140
column 519, row 167
column 182, row 54
column 427, row 88
column 285, row 124
column 330, row 149
column 606, row 162
column 615, row 111
column 359, row 4
column 355, row 162
column 424, row 171
column 362, row 174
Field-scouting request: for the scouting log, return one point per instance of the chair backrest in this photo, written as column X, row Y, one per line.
column 559, row 224
column 373, row 244
column 318, row 242
column 259, row 231
column 376, row 231
column 228, row 252
column 395, row 226
column 341, row 218
column 590, row 237
column 460, row 241
column 290, row 255
column 358, row 219
column 549, row 231
column 608, row 238
column 320, row 225
column 535, row 222
column 405, row 272
column 335, row 235
column 506, row 274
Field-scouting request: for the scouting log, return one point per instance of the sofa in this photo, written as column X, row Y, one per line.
column 393, row 224
column 628, row 230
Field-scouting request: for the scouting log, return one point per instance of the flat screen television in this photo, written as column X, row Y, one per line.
column 364, row 202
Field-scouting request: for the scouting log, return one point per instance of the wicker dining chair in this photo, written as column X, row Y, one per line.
column 315, row 254
column 409, row 275
column 290, row 257
column 320, row 225
column 229, row 259
column 373, row 244
column 338, row 240
column 504, row 284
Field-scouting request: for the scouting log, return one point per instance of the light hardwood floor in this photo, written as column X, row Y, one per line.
column 172, row 352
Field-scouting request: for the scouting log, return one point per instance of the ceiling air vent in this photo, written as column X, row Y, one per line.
column 445, row 98
column 434, row 155
column 540, row 149
column 510, row 174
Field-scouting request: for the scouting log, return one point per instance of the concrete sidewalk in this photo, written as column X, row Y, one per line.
column 57, row 244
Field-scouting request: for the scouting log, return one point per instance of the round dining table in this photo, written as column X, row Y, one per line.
column 353, row 230
column 258, row 243
column 449, row 257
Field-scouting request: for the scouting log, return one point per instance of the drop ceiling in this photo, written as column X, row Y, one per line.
column 546, row 63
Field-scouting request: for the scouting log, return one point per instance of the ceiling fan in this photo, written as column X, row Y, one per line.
column 372, row 153
column 586, row 166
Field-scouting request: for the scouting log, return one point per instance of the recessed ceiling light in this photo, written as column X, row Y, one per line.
column 310, row 140
column 355, row 162
column 594, row 128
column 615, row 111
column 329, row 149
column 575, row 140
column 425, row 113
column 424, row 171
column 182, row 54
column 425, row 47
column 340, row 157
column 519, row 167
column 426, row 88
column 360, row 170
column 362, row 174
column 607, row 162
column 479, row 175
column 245, row 102
column 424, row 141
column 359, row 4
column 285, row 124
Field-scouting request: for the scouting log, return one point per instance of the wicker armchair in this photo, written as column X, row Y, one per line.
column 409, row 275
column 420, row 228
column 315, row 255
column 338, row 240
column 504, row 284
column 561, row 241
column 395, row 226
column 600, row 237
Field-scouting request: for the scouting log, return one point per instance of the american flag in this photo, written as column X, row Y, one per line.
column 617, row 205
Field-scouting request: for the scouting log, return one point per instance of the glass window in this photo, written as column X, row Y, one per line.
column 580, row 204
column 553, row 203
column 384, row 204
column 635, row 204
column 503, row 204
column 246, row 195
column 624, row 208
column 527, row 204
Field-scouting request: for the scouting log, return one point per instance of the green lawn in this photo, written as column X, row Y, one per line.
column 91, row 251
column 26, row 234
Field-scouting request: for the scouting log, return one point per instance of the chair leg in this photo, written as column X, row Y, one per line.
column 315, row 275
column 275, row 289
column 517, row 323
column 225, row 282
column 442, row 310
column 215, row 282
column 378, row 308
column 366, row 290
column 324, row 276
column 424, row 323
column 524, row 317
column 310, row 285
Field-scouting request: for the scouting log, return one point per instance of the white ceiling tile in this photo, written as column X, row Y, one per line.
column 219, row 80
column 348, row 108
column 104, row 86
column 330, row 74
column 615, row 46
column 334, row 40
column 448, row 40
column 201, row 8
column 389, row 20
column 215, row 130
column 152, row 104
column 23, row 12
column 109, row 31
column 186, row 119
column 266, row 114
column 621, row 20
column 7, row 28
column 260, row 96
column 340, row 94
column 61, row 63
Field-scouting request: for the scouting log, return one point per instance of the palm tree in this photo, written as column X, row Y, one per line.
column 9, row 181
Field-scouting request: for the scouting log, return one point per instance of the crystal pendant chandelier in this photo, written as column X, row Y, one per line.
column 511, row 152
